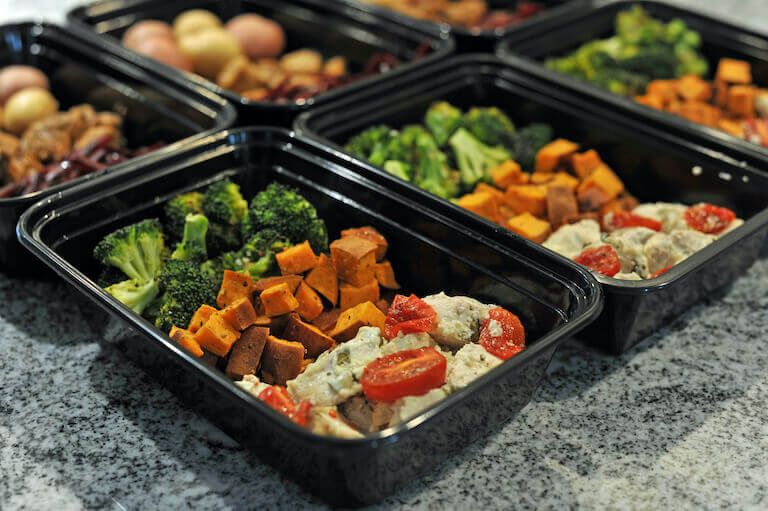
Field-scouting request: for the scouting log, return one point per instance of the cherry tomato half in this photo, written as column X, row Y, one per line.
column 408, row 315
column 709, row 219
column 278, row 398
column 405, row 373
column 660, row 272
column 502, row 334
column 623, row 219
column 601, row 259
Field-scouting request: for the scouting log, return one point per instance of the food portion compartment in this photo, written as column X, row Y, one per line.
column 550, row 302
column 628, row 159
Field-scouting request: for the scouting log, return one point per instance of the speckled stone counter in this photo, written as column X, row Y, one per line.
column 678, row 422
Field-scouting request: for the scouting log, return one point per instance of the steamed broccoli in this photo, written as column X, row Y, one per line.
column 224, row 204
column 257, row 257
column 185, row 288
column 177, row 209
column 475, row 159
column 192, row 246
column 399, row 169
column 443, row 119
column 362, row 145
column 526, row 143
column 488, row 125
column 136, row 249
column 283, row 209
column 432, row 173
column 134, row 294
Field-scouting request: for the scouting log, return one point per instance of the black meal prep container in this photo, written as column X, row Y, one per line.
column 81, row 73
column 654, row 166
column 475, row 40
column 553, row 297
column 720, row 39
column 328, row 26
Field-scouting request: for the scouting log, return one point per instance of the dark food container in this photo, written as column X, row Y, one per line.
column 80, row 73
column 327, row 26
column 719, row 40
column 475, row 40
column 654, row 166
column 554, row 299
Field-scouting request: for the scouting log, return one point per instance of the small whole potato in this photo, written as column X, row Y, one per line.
column 15, row 78
column 165, row 51
column 259, row 37
column 194, row 21
column 26, row 107
column 145, row 30
column 210, row 51
column 302, row 61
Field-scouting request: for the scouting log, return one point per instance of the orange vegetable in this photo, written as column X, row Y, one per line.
column 217, row 336
column 604, row 179
column 233, row 287
column 186, row 339
column 584, row 163
column 651, row 101
column 324, row 280
column 326, row 321
column 561, row 204
column 370, row 234
column 505, row 213
column 278, row 300
column 296, row 259
column 530, row 227
column 386, row 275
column 310, row 303
column 282, row 360
column 541, row 178
column 354, row 257
column 486, row 188
column 507, row 174
column 735, row 128
column 564, row 179
column 352, row 320
column 200, row 317
column 666, row 90
column 293, row 282
column 721, row 94
column 693, row 88
column 314, row 340
column 741, row 100
column 383, row 305
column 551, row 154
column 527, row 199
column 350, row 295
column 245, row 355
column 482, row 203
column 627, row 203
column 240, row 314
column 591, row 198
column 733, row 71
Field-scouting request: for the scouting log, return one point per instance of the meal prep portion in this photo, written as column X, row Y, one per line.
column 660, row 65
column 546, row 190
column 312, row 328
column 247, row 56
column 41, row 146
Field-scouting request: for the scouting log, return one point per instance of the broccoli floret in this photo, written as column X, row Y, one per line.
column 257, row 257
column 475, row 159
column 283, row 209
column 443, row 119
column 432, row 173
column 177, row 209
column 675, row 30
column 222, row 238
column 657, row 62
column 213, row 269
column 110, row 275
column 224, row 204
column 185, row 288
column 362, row 145
column 134, row 294
column 488, row 125
column 399, row 169
column 137, row 249
column 192, row 246
column 526, row 143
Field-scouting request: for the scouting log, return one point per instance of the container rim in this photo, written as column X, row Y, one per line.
column 33, row 220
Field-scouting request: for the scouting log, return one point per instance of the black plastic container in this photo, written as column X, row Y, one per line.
column 720, row 39
column 328, row 26
column 81, row 73
column 553, row 297
column 654, row 166
column 474, row 40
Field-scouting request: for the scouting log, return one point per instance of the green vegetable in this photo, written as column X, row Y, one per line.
column 257, row 257
column 136, row 249
column 526, row 143
column 224, row 204
column 185, row 288
column 362, row 145
column 432, row 173
column 489, row 125
column 177, row 209
column 192, row 246
column 475, row 159
column 443, row 119
column 134, row 294
column 399, row 169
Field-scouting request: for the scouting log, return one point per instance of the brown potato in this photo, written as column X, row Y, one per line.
column 194, row 21
column 302, row 61
column 27, row 106
column 147, row 29
column 258, row 36
column 165, row 51
column 15, row 78
column 210, row 51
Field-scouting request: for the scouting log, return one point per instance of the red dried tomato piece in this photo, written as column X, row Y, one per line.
column 502, row 334
column 408, row 315
column 278, row 398
column 709, row 219
column 603, row 260
column 623, row 219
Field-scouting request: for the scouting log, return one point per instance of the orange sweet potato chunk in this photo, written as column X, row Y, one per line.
column 733, row 71
column 354, row 257
column 693, row 88
column 278, row 300
column 326, row 321
column 217, row 336
column 201, row 316
column 584, row 163
column 481, row 203
column 507, row 174
column 604, row 179
column 324, row 279
column 371, row 234
column 352, row 320
column 234, row 286
column 527, row 198
column 310, row 303
column 386, row 275
column 296, row 259
column 530, row 227
column 186, row 340
column 293, row 282
column 551, row 154
column 240, row 314
column 282, row 360
column 245, row 355
column 350, row 295
column 561, row 204
column 313, row 339
column 741, row 100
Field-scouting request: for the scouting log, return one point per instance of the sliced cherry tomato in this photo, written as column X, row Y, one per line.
column 408, row 315
column 278, row 398
column 660, row 272
column 623, row 219
column 709, row 219
column 300, row 415
column 502, row 334
column 405, row 373
column 601, row 259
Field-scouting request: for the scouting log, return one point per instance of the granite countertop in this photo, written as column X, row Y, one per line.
column 677, row 422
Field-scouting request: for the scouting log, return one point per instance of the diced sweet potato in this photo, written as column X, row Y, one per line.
column 721, row 94
column 383, row 306
column 201, row 316
column 507, row 174
column 352, row 320
column 282, row 359
column 210, row 359
column 584, row 163
column 541, row 178
column 233, row 287
column 591, row 199
column 186, row 340
column 275, row 324
column 664, row 89
column 699, row 112
column 354, row 257
column 674, row 106
column 313, row 339
column 733, row 71
column 551, row 154
column 693, row 88
column 370, row 234
column 326, row 321
column 350, row 295
column 735, row 128
column 245, row 355
column 484, row 187
column 651, row 101
column 296, row 259
column 386, row 275
column 293, row 282
column 564, row 179
column 217, row 336
column 604, row 179
column 278, row 300
column 324, row 280
column 505, row 213
column 741, row 100
column 310, row 303
column 482, row 203
column 530, row 227
column 240, row 314
column 527, row 199
column 561, row 203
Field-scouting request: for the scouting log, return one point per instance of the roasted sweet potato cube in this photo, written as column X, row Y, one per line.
column 561, row 203
column 278, row 300
column 482, row 203
column 383, row 305
column 293, row 282
column 324, row 280
column 186, row 340
column 721, row 94
column 217, row 336
column 530, row 227
column 553, row 153
column 564, row 179
column 326, row 321
column 296, row 259
column 741, row 100
column 354, row 257
column 733, row 71
column 350, row 295
column 484, row 187
column 735, row 128
column 604, row 179
column 693, row 88
column 505, row 213
column 245, row 356
column 371, row 234
column 527, row 199
column 664, row 89
column 591, row 199
column 651, row 101
column 240, row 314
column 282, row 359
column 507, row 174
column 584, row 163
column 313, row 339
column 352, row 320
column 275, row 324
column 310, row 303
column 201, row 316
column 386, row 275
column 234, row 286
column 541, row 178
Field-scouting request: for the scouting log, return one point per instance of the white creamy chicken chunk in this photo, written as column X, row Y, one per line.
column 458, row 320
column 669, row 214
column 665, row 250
column 571, row 240
column 469, row 363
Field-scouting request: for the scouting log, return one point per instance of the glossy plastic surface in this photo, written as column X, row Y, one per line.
column 80, row 73
column 719, row 40
column 553, row 297
column 654, row 166
column 328, row 26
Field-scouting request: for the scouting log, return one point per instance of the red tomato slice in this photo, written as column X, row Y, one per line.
column 623, row 219
column 660, row 272
column 300, row 415
column 278, row 398
column 709, row 219
column 601, row 259
column 504, row 338
column 405, row 373
column 408, row 315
